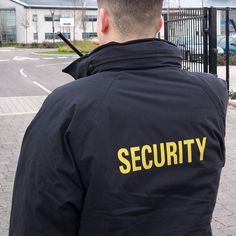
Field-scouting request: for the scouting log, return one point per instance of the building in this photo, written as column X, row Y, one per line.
column 7, row 24
column 29, row 21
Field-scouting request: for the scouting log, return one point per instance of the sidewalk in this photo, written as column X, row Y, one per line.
column 15, row 115
column 224, row 220
column 222, row 75
column 12, row 128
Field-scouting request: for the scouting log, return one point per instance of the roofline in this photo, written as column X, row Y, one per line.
column 59, row 7
column 19, row 2
column 53, row 6
column 7, row 9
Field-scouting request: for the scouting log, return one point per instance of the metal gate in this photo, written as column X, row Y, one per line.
column 195, row 31
column 228, row 43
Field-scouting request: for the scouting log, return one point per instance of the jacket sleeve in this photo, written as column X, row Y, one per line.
column 48, row 192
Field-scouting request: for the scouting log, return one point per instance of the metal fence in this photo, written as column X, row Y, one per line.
column 184, row 27
column 227, row 38
column 203, row 35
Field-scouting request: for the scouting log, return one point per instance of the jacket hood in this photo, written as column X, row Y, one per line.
column 137, row 54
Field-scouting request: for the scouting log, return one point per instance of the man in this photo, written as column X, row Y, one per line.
column 135, row 146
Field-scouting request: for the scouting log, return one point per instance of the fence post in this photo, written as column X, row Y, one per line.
column 166, row 28
column 227, row 22
column 213, row 40
column 205, row 39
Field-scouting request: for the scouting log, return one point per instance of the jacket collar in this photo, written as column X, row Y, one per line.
column 137, row 54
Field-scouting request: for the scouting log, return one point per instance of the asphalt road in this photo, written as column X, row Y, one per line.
column 22, row 73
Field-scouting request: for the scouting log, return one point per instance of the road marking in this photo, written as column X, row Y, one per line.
column 55, row 64
column 62, row 57
column 4, row 60
column 36, row 83
column 42, row 87
column 22, row 73
column 48, row 58
column 18, row 58
column 5, row 50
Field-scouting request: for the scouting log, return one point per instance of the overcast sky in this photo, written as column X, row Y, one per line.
column 172, row 3
column 198, row 3
column 194, row 3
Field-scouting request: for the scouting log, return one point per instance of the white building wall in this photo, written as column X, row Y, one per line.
column 46, row 27
column 26, row 14
column 218, row 23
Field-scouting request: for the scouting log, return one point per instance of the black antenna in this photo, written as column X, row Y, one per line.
column 59, row 34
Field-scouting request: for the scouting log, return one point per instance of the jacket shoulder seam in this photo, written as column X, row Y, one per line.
column 214, row 99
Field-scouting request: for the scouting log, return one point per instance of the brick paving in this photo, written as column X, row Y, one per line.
column 224, row 220
column 20, row 105
column 12, row 129
column 13, row 125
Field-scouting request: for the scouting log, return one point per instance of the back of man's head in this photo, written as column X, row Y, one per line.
column 133, row 17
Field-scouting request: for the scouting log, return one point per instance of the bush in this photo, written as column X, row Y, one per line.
column 35, row 45
column 7, row 44
column 233, row 60
column 84, row 46
column 232, row 95
column 23, row 45
column 221, row 60
column 64, row 49
column 47, row 44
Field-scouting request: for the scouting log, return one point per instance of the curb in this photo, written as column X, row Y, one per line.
column 54, row 55
column 7, row 48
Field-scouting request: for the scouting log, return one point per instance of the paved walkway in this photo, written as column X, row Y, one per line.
column 222, row 74
column 12, row 127
column 224, row 220
column 20, row 105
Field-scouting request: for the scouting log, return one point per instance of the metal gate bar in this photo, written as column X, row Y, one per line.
column 185, row 28
column 205, row 40
column 212, row 41
column 227, row 22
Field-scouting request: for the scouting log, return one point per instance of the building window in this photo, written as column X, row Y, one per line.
column 36, row 36
column 48, row 18
column 49, row 36
column 35, row 18
column 90, row 18
column 8, row 25
column 88, row 35
column 67, row 35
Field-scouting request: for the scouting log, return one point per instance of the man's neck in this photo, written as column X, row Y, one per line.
column 120, row 39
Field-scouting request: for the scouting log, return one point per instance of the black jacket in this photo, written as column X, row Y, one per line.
column 134, row 148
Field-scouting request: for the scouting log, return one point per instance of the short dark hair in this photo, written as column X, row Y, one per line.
column 130, row 16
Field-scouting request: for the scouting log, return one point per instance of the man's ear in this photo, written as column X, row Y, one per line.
column 104, row 21
column 160, row 24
